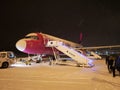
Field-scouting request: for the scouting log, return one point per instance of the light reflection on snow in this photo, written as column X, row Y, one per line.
column 20, row 65
column 90, row 62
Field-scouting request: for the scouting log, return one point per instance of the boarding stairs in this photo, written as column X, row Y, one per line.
column 95, row 55
column 80, row 59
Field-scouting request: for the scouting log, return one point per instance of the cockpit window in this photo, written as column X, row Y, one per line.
column 32, row 37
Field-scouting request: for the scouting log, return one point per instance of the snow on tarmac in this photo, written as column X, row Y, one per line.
column 57, row 77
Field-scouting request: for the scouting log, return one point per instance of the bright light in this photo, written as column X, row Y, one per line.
column 90, row 62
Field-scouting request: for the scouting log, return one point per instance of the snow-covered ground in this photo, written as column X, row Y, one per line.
column 45, row 77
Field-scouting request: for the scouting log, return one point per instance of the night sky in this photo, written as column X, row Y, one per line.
column 98, row 20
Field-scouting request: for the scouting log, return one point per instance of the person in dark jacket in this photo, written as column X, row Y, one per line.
column 110, row 61
column 116, row 66
column 106, row 59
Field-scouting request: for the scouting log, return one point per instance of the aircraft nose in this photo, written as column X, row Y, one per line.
column 21, row 45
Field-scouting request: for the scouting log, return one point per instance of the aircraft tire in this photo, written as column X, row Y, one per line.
column 38, row 61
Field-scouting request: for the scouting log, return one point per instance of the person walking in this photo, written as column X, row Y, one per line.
column 110, row 61
column 116, row 66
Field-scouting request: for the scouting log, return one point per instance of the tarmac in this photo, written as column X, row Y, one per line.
column 42, row 76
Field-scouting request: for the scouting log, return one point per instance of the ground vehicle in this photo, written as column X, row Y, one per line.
column 6, row 59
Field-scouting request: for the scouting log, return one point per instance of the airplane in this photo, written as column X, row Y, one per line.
column 35, row 43
column 44, row 44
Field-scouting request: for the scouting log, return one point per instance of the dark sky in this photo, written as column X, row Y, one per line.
column 98, row 20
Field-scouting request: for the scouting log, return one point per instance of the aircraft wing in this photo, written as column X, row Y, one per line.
column 69, row 43
column 100, row 47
